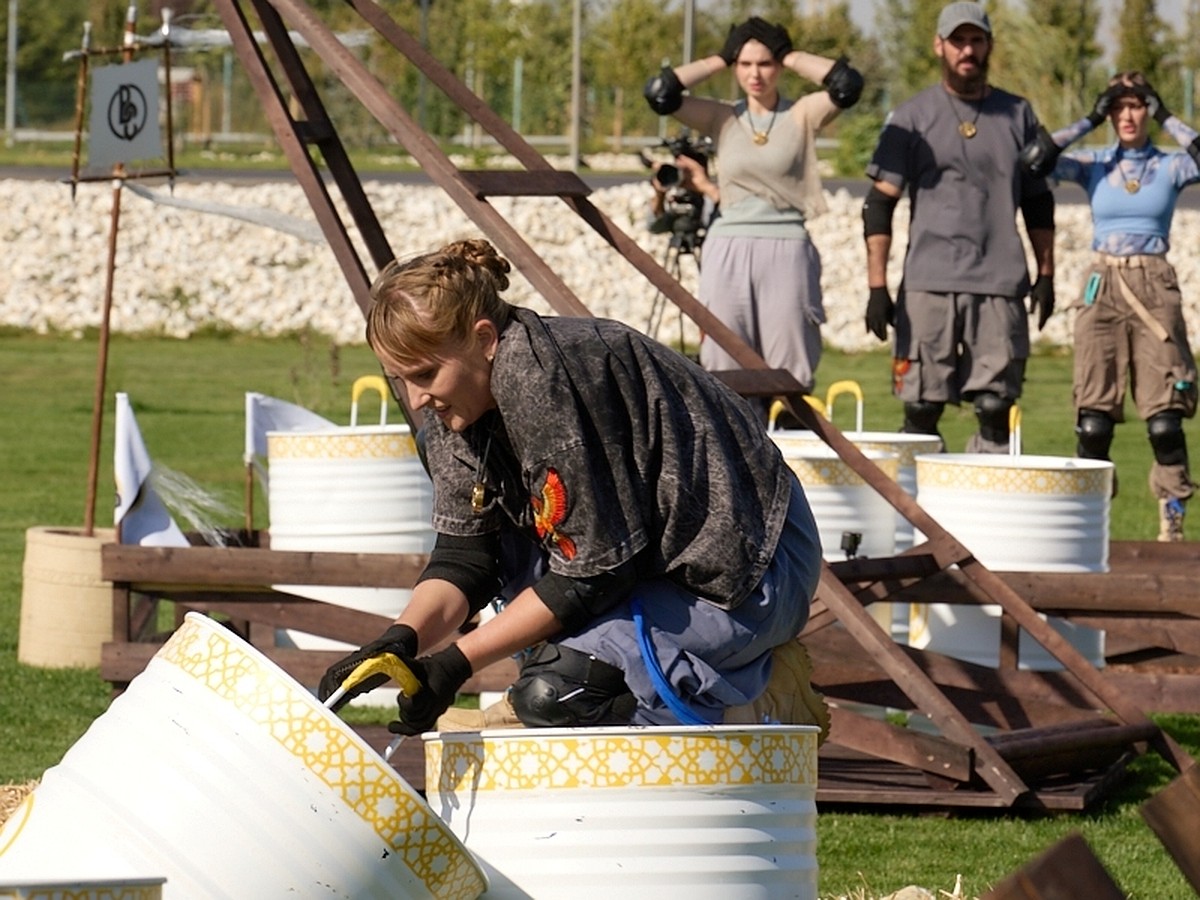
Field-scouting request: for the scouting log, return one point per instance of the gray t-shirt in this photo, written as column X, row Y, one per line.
column 605, row 446
column 964, row 192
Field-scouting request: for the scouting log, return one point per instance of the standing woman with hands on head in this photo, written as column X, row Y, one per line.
column 1129, row 322
column 762, row 274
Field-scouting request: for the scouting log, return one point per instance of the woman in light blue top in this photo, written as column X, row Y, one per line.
column 1129, row 323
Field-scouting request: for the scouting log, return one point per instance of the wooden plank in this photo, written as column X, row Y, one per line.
column 250, row 568
column 993, row 770
column 914, row 749
column 1066, row 871
column 1173, row 814
column 499, row 183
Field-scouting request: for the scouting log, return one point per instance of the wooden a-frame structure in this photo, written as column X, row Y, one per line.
column 1044, row 729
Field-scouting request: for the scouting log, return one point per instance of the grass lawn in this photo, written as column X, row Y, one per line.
column 188, row 397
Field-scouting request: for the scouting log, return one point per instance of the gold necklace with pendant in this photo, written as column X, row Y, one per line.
column 967, row 129
column 1133, row 184
column 760, row 137
column 479, row 489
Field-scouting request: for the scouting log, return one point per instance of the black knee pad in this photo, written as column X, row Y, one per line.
column 1167, row 439
column 1094, row 431
column 992, row 411
column 922, row 417
column 561, row 688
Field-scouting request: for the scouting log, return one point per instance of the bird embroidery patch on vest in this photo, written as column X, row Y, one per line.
column 548, row 512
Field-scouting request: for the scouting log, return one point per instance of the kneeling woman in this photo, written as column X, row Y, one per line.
column 654, row 545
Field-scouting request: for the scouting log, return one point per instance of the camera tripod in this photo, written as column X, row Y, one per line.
column 684, row 242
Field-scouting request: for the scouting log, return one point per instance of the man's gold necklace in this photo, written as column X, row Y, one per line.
column 760, row 136
column 965, row 128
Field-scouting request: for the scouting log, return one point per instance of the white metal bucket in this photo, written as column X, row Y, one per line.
column 906, row 447
column 353, row 490
column 689, row 812
column 1016, row 514
column 219, row 772
column 842, row 501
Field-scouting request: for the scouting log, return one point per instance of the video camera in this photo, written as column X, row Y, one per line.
column 667, row 174
column 683, row 208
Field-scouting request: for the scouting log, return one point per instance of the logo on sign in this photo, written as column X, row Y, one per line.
column 127, row 112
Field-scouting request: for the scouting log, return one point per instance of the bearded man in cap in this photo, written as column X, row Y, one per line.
column 961, row 331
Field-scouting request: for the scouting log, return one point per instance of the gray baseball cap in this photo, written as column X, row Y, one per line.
column 962, row 13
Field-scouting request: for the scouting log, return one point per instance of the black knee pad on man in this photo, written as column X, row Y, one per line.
column 1094, row 431
column 992, row 412
column 1167, row 439
column 922, row 417
column 560, row 687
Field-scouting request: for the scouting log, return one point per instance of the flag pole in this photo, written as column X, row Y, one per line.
column 89, row 516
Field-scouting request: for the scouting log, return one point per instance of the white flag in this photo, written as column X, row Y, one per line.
column 123, row 126
column 264, row 414
column 140, row 514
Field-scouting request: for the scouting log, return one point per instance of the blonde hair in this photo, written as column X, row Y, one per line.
column 424, row 303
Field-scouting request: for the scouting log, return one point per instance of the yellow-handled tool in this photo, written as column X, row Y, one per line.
column 385, row 663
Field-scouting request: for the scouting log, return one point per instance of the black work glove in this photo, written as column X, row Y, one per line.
column 774, row 37
column 1104, row 103
column 398, row 639
column 738, row 35
column 1153, row 102
column 1041, row 299
column 881, row 312
column 441, row 675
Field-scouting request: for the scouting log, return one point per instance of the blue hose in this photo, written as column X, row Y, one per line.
column 685, row 714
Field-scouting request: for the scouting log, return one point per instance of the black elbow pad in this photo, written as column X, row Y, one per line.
column 1194, row 149
column 1038, row 211
column 877, row 212
column 844, row 84
column 1039, row 155
column 664, row 92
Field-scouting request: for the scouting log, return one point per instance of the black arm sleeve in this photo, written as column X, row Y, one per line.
column 1038, row 211
column 877, row 212
column 471, row 564
column 576, row 601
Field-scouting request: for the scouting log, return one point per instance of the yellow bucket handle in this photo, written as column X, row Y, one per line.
column 1014, row 430
column 779, row 406
column 369, row 383
column 846, row 387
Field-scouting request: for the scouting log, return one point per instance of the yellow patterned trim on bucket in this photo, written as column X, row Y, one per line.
column 542, row 761
column 834, row 472
column 1002, row 479
column 205, row 651
column 150, row 890
column 349, row 443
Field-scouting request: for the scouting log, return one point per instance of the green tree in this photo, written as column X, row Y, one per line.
column 906, row 28
column 1147, row 45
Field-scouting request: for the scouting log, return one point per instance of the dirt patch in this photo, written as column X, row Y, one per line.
column 11, row 796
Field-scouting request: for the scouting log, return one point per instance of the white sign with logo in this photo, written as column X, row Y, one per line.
column 124, row 122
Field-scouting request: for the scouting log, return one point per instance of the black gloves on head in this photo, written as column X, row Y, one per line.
column 774, row 37
column 1153, row 102
column 1104, row 102
column 738, row 35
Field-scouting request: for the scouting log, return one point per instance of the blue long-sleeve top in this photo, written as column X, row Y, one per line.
column 1129, row 223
